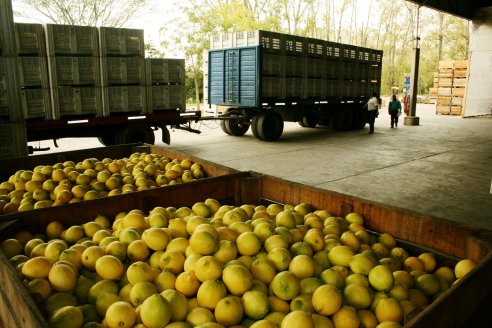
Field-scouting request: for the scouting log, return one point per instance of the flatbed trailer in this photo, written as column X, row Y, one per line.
column 117, row 129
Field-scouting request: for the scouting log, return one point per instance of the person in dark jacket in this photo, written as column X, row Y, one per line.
column 394, row 109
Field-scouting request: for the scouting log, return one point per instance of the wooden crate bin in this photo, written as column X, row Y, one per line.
column 429, row 233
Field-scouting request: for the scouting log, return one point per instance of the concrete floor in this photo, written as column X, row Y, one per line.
column 443, row 167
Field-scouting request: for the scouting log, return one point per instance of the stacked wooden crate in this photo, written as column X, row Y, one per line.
column 12, row 126
column 74, row 71
column 433, row 90
column 122, row 70
column 451, row 83
column 33, row 70
column 165, row 83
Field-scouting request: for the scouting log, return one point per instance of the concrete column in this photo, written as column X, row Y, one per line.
column 478, row 98
column 412, row 119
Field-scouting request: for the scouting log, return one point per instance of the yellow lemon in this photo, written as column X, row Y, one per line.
column 237, row 279
column 139, row 272
column 178, row 302
column 172, row 261
column 109, row 267
column 229, row 311
column 346, row 317
column 187, row 283
column 208, row 268
column 389, row 309
column 285, row 285
column 155, row 311
column 202, row 242
column 297, row 319
column 463, row 267
column 37, row 267
column 120, row 315
column 210, row 293
column 62, row 278
column 327, row 300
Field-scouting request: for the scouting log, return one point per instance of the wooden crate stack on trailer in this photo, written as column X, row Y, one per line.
column 33, row 71
column 12, row 126
column 122, row 70
column 165, row 84
column 452, row 79
column 74, row 70
column 416, row 232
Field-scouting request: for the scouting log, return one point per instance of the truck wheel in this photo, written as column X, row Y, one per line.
column 107, row 139
column 224, row 127
column 236, row 127
column 344, row 118
column 135, row 134
column 269, row 125
column 308, row 122
column 254, row 126
column 360, row 118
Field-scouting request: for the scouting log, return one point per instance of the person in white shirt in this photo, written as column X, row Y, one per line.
column 372, row 110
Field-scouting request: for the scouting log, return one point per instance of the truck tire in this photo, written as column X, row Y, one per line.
column 269, row 125
column 344, row 118
column 360, row 118
column 236, row 127
column 107, row 139
column 309, row 121
column 254, row 126
column 135, row 134
column 224, row 127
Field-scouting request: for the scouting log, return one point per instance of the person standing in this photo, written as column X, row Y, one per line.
column 394, row 109
column 372, row 111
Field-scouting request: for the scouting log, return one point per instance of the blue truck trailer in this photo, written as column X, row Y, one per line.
column 263, row 79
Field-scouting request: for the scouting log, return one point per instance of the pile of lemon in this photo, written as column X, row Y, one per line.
column 216, row 265
column 70, row 182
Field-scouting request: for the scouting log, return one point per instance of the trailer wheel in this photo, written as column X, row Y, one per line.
column 254, row 126
column 224, row 127
column 269, row 125
column 344, row 118
column 309, row 121
column 235, row 127
column 360, row 118
column 108, row 139
column 136, row 133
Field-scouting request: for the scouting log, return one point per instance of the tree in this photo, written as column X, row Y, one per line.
column 114, row 13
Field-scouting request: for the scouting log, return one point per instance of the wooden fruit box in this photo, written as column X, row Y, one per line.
column 449, row 240
column 10, row 166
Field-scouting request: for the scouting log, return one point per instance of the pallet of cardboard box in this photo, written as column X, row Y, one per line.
column 447, row 239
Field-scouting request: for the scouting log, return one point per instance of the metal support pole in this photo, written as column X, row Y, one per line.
column 412, row 119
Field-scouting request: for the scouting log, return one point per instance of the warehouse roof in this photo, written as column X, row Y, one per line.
column 466, row 9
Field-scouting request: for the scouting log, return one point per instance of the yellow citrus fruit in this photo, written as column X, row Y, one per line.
column 297, row 319
column 302, row 266
column 285, row 285
column 354, row 218
column 417, row 297
column 429, row 261
column 120, row 315
column 280, row 257
column 387, row 240
column 165, row 280
column 74, row 233
column 101, row 287
column 141, row 291
column 381, row 278
column 278, row 305
column 187, row 283
column 264, row 324
column 178, row 302
column 62, row 278
column 346, row 317
column 463, row 267
column 172, row 261
column 156, row 239
column 137, row 250
column 404, row 277
column 208, row 268
column 340, row 255
column 367, row 318
column 413, row 263
column 134, row 220
column 248, row 243
column 276, row 317
column 320, row 321
column 40, row 289
column 263, row 269
column 357, row 296
column 445, row 273
column 227, row 251
column 37, row 267
column 255, row 304
column 155, row 311
column 237, row 279
column 303, row 302
column 58, row 300
column 54, row 249
column 115, row 248
column 326, row 300
column 178, row 244
column 203, row 242
column 389, row 309
column 210, row 293
column 67, row 316
column 109, row 267
column 229, row 311
column 104, row 301
column 139, row 272
column 428, row 284
column 90, row 256
column 54, row 229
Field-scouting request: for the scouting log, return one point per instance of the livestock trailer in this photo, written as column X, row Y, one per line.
column 264, row 78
